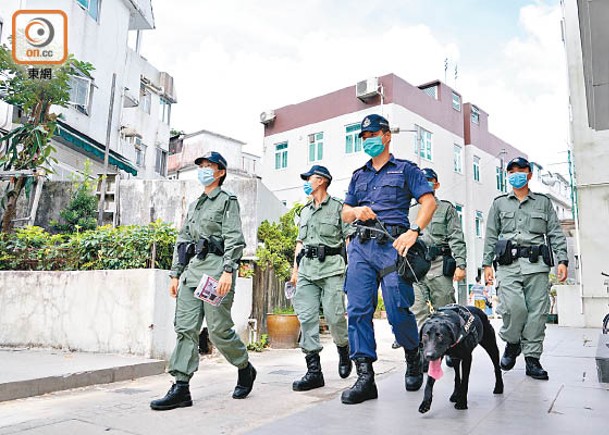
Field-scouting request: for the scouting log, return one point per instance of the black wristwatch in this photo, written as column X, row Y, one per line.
column 228, row 268
column 415, row 227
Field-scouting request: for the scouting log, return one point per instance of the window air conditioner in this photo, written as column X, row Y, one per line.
column 367, row 88
column 267, row 117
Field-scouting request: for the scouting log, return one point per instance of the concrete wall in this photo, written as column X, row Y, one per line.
column 119, row 311
column 591, row 159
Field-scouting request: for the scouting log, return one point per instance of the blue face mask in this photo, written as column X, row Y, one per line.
column 518, row 179
column 432, row 184
column 206, row 176
column 373, row 146
column 308, row 189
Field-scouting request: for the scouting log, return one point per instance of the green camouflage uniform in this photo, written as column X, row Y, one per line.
column 443, row 231
column 523, row 286
column 216, row 214
column 321, row 282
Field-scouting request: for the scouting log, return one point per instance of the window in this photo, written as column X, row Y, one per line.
column 160, row 165
column 281, row 155
column 500, row 179
column 81, row 89
column 476, row 168
column 478, row 223
column 456, row 102
column 475, row 115
column 424, row 143
column 165, row 111
column 353, row 143
column 145, row 99
column 140, row 152
column 459, row 208
column 316, row 147
column 91, row 6
column 432, row 91
column 457, row 159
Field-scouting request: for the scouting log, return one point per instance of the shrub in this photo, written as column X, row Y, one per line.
column 126, row 247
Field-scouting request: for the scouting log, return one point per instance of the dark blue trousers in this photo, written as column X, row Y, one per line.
column 366, row 259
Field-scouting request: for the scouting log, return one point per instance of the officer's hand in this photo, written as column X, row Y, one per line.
column 403, row 243
column 294, row 278
column 489, row 274
column 459, row 275
column 173, row 287
column 364, row 213
column 225, row 283
column 562, row 272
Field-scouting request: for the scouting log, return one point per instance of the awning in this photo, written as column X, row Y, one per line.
column 71, row 136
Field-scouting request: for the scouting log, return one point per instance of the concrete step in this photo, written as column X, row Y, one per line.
column 32, row 372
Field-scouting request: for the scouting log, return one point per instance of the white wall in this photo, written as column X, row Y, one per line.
column 118, row 311
column 591, row 158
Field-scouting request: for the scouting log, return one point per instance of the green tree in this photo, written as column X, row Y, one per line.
column 81, row 212
column 278, row 241
column 28, row 147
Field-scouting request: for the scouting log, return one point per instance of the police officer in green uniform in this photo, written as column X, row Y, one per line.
column 210, row 242
column 447, row 248
column 521, row 234
column 319, row 273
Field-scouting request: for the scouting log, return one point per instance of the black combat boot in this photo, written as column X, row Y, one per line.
column 534, row 368
column 313, row 378
column 364, row 388
column 414, row 375
column 508, row 360
column 344, row 363
column 245, row 382
column 178, row 396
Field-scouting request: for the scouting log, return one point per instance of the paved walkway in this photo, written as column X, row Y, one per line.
column 572, row 401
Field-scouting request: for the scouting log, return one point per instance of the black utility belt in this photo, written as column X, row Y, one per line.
column 436, row 251
column 205, row 245
column 364, row 234
column 506, row 253
column 320, row 252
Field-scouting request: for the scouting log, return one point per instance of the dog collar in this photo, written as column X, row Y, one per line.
column 466, row 320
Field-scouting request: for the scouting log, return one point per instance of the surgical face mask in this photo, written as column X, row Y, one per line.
column 373, row 146
column 518, row 179
column 206, row 176
column 432, row 185
column 308, row 189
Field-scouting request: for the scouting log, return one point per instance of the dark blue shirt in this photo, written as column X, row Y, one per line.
column 389, row 190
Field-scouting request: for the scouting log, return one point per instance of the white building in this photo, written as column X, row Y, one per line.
column 437, row 131
column 133, row 117
column 185, row 148
column 586, row 42
column 555, row 186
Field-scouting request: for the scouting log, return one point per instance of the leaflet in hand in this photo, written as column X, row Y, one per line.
column 206, row 291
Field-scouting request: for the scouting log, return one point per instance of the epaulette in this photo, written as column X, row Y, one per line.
column 500, row 196
column 540, row 194
column 360, row 169
column 448, row 202
column 230, row 194
column 340, row 201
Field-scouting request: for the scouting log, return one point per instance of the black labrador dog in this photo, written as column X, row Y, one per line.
column 455, row 330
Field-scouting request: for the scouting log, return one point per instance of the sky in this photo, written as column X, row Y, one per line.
column 233, row 59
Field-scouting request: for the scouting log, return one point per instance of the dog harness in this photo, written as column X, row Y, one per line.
column 466, row 319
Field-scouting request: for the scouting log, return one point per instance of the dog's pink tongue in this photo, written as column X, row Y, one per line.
column 435, row 369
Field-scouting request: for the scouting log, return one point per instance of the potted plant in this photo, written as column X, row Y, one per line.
column 283, row 328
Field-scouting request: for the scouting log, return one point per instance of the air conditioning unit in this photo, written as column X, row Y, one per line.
column 267, row 117
column 129, row 131
column 367, row 88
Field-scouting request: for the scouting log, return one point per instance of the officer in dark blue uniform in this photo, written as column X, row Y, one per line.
column 380, row 191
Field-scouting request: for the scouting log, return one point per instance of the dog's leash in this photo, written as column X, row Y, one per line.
column 384, row 231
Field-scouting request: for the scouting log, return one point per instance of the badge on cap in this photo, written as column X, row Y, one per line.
column 366, row 122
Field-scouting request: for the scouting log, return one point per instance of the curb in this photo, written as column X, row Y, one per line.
column 37, row 387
